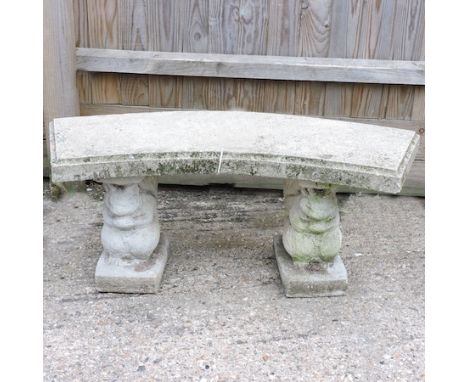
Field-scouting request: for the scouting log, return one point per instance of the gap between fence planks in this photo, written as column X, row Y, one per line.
column 251, row 66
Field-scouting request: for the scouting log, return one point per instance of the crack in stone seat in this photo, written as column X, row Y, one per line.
column 128, row 152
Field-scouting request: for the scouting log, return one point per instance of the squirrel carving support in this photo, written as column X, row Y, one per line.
column 312, row 232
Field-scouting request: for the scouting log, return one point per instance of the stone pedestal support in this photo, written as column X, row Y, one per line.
column 307, row 255
column 135, row 253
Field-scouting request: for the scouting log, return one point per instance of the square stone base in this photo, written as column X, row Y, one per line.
column 300, row 282
column 133, row 277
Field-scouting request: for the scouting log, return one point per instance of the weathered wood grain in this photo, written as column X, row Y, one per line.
column 277, row 96
column 310, row 98
column 281, row 41
column 407, row 44
column 400, row 102
column 133, row 29
column 166, row 28
column 60, row 93
column 313, row 40
column 374, row 22
column 218, row 88
column 80, row 11
column 338, row 96
column 103, row 24
column 417, row 114
column 239, row 94
column 194, row 93
column 103, row 32
column 252, row 37
column 165, row 91
column 282, row 28
column 134, row 89
column 195, row 15
column 251, row 66
column 80, row 18
column 361, row 30
column 226, row 19
column 314, row 28
column 408, row 31
column 237, row 27
column 105, row 88
column 369, row 100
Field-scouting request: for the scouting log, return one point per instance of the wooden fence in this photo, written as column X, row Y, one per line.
column 360, row 60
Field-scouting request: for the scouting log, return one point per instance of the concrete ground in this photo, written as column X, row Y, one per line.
column 221, row 314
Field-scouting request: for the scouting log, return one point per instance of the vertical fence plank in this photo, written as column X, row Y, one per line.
column 408, row 34
column 196, row 13
column 251, row 39
column 222, row 16
column 407, row 44
column 81, row 40
column 165, row 36
column 134, row 89
column 338, row 96
column 103, row 24
column 238, row 27
column 195, row 39
column 103, row 32
column 279, row 96
column 215, row 91
column 418, row 24
column 133, row 24
column 224, row 26
column 165, row 91
column 400, row 102
column 375, row 21
column 217, row 87
column 252, row 27
column 249, row 95
column 134, row 36
column 417, row 113
column 314, row 18
column 60, row 93
column 282, row 26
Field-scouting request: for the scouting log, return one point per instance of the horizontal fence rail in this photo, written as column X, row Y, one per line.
column 251, row 66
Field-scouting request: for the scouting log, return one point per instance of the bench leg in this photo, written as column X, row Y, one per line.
column 135, row 253
column 307, row 252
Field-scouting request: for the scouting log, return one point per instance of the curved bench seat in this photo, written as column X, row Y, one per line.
column 231, row 143
column 128, row 152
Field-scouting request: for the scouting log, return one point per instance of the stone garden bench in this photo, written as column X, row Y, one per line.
column 128, row 152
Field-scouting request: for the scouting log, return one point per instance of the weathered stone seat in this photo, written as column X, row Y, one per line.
column 128, row 153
